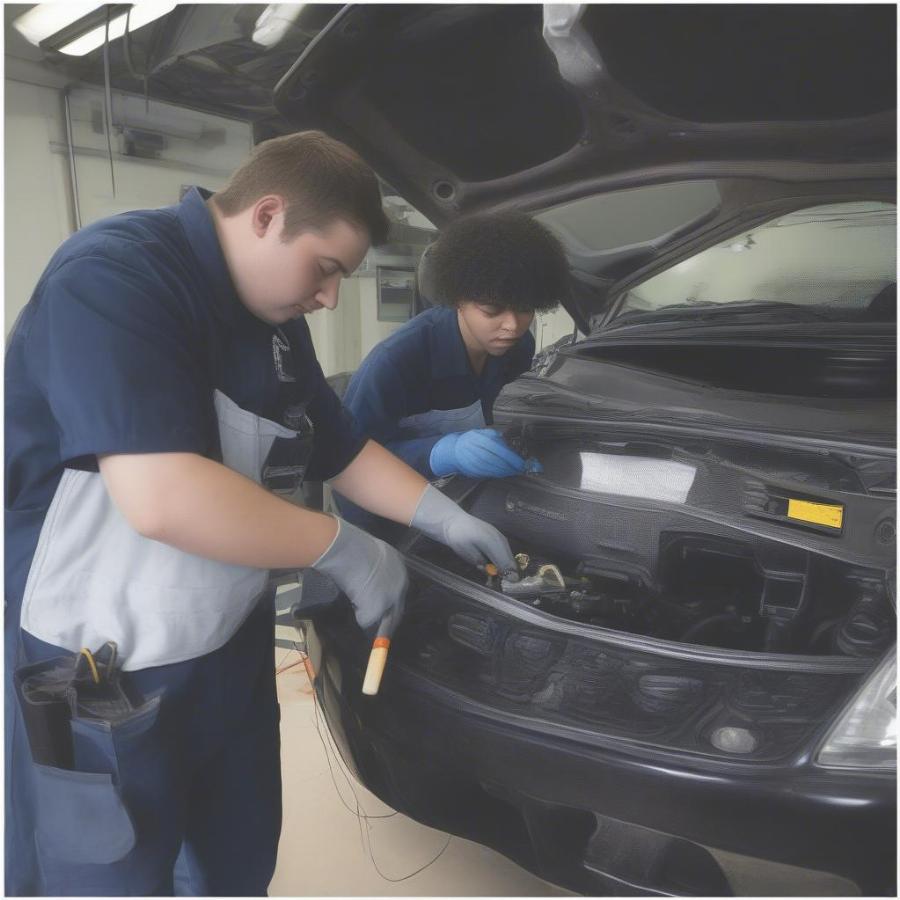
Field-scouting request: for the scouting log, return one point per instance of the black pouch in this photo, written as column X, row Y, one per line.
column 285, row 466
column 45, row 710
column 52, row 692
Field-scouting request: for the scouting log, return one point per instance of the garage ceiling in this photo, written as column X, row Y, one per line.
column 201, row 56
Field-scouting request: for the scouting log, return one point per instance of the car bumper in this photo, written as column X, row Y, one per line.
column 601, row 819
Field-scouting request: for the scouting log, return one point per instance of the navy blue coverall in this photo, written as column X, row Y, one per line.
column 418, row 385
column 135, row 341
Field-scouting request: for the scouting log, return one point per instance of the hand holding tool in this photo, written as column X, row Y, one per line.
column 475, row 541
column 371, row 573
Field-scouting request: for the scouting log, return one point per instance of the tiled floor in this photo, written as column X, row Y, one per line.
column 326, row 850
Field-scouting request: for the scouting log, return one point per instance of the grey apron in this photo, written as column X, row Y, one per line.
column 441, row 421
column 95, row 579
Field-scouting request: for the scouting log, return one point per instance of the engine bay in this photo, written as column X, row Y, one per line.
column 710, row 593
column 698, row 565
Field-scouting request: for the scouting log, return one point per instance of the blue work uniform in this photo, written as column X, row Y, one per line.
column 418, row 385
column 135, row 341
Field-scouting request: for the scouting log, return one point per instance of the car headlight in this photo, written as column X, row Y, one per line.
column 865, row 736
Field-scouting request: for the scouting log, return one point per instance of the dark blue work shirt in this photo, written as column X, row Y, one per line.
column 410, row 389
column 132, row 327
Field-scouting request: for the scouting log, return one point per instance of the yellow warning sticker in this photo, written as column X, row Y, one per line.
column 818, row 513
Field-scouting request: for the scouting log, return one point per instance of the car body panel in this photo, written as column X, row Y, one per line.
column 548, row 109
column 558, row 803
column 389, row 81
column 660, row 718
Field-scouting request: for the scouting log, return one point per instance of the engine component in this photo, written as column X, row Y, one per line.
column 868, row 629
column 549, row 580
column 695, row 587
column 552, row 576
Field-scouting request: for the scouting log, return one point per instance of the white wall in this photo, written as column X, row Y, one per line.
column 344, row 337
column 372, row 331
column 40, row 214
column 336, row 333
column 39, row 209
column 146, row 183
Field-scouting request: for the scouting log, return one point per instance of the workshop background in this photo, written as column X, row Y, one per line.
column 59, row 175
column 633, row 761
column 158, row 148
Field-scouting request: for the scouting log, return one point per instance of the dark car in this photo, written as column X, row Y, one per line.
column 692, row 687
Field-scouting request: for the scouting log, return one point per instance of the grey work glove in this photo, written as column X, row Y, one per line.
column 371, row 573
column 475, row 541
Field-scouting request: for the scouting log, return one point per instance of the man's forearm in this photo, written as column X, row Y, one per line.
column 204, row 508
column 378, row 481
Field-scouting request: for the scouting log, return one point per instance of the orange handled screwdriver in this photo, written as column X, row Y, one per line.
column 377, row 662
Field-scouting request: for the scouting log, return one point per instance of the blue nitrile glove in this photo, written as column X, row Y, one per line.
column 481, row 453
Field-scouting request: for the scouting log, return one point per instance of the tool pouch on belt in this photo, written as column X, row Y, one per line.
column 56, row 691
column 93, row 740
column 285, row 465
column 288, row 458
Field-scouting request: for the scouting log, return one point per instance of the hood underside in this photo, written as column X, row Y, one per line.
column 470, row 107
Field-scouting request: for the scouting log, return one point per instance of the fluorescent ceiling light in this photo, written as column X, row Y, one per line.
column 95, row 38
column 47, row 18
column 141, row 14
column 274, row 23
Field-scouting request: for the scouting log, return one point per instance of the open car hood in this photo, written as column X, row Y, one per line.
column 467, row 108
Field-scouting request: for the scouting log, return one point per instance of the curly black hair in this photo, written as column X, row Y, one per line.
column 507, row 259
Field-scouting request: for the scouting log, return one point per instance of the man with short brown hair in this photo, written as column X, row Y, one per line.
column 319, row 178
column 162, row 391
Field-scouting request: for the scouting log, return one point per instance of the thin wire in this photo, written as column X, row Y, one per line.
column 427, row 865
column 287, row 653
column 328, row 754
column 359, row 816
column 330, row 749
column 295, row 647
column 325, row 747
column 363, row 817
column 126, row 46
column 108, row 97
column 359, row 822
column 288, row 667
column 148, row 56
column 73, row 168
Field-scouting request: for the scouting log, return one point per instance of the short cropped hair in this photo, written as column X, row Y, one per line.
column 320, row 179
column 506, row 259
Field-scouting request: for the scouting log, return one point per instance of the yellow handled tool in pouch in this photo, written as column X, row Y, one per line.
column 95, row 674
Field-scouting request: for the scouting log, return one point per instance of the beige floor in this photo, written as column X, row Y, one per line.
column 325, row 849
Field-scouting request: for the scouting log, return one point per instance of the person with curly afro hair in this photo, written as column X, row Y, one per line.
column 427, row 391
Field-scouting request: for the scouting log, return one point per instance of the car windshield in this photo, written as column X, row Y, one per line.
column 836, row 261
